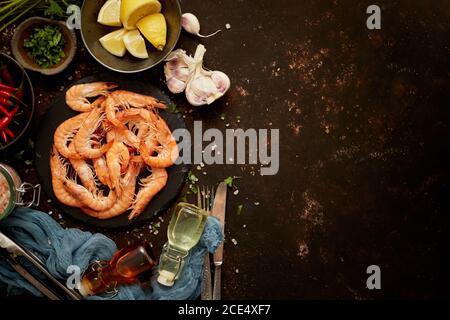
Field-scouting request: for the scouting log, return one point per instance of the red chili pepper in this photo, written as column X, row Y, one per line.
column 4, row 110
column 8, row 95
column 7, row 75
column 6, row 102
column 19, row 94
column 4, row 136
column 6, row 87
column 10, row 133
column 8, row 118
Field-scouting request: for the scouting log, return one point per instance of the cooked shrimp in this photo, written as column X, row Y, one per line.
column 84, row 139
column 94, row 200
column 83, row 170
column 59, row 172
column 151, row 185
column 117, row 158
column 101, row 170
column 65, row 133
column 76, row 96
column 121, row 99
column 166, row 153
column 125, row 200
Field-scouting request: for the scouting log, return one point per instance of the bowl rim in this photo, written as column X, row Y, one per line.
column 138, row 70
column 45, row 71
column 33, row 108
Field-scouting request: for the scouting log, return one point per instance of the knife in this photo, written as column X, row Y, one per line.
column 14, row 250
column 218, row 211
column 32, row 279
column 206, row 284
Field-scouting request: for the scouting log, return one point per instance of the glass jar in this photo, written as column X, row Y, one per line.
column 184, row 232
column 13, row 191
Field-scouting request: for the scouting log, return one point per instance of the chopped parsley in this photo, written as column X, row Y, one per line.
column 45, row 46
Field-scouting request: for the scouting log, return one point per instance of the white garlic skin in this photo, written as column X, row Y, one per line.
column 205, row 87
column 186, row 73
column 178, row 70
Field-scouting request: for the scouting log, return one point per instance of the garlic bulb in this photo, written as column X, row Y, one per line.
column 186, row 73
column 190, row 23
column 178, row 70
column 205, row 87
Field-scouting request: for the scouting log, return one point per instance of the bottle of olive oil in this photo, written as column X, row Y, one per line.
column 184, row 232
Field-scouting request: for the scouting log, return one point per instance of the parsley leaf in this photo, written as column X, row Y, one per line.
column 174, row 108
column 191, row 177
column 230, row 181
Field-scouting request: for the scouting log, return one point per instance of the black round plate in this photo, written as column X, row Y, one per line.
column 59, row 112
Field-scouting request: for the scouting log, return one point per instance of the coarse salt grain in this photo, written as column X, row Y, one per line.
column 234, row 241
column 228, row 26
column 236, row 192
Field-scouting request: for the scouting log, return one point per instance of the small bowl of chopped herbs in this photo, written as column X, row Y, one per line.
column 44, row 45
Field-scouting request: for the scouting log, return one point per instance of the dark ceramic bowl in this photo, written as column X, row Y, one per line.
column 23, row 32
column 21, row 122
column 92, row 31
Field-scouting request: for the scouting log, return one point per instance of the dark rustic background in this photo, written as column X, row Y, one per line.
column 364, row 123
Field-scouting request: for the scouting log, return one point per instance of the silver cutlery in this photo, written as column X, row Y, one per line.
column 13, row 250
column 218, row 211
column 205, row 197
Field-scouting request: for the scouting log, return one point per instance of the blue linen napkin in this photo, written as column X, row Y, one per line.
column 59, row 248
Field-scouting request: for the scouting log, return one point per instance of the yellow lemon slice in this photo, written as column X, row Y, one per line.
column 131, row 11
column 109, row 14
column 113, row 42
column 135, row 44
column 154, row 28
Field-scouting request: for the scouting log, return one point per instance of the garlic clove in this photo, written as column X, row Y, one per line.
column 176, row 86
column 190, row 23
column 221, row 81
column 182, row 74
column 175, row 64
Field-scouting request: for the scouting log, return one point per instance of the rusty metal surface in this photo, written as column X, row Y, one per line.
column 364, row 140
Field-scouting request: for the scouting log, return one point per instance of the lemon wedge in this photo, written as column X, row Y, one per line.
column 135, row 44
column 154, row 28
column 113, row 42
column 131, row 11
column 109, row 14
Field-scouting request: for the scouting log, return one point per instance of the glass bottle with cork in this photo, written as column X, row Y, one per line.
column 125, row 267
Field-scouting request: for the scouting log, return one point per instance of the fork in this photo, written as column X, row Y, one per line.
column 205, row 197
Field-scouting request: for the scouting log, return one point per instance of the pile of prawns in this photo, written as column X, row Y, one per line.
column 106, row 147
